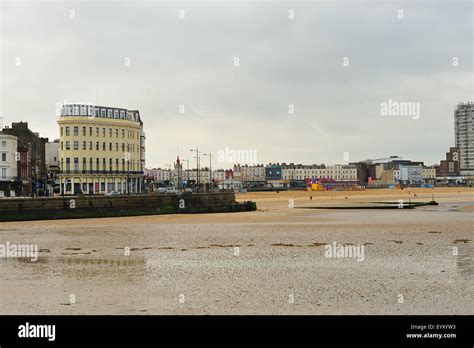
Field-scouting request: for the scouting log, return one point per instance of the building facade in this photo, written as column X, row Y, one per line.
column 464, row 136
column 253, row 174
column 34, row 145
column 449, row 166
column 52, row 164
column 9, row 158
column 101, row 149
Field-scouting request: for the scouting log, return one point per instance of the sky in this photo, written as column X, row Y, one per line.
column 300, row 82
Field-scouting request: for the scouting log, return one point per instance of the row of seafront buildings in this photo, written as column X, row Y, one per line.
column 102, row 149
column 99, row 150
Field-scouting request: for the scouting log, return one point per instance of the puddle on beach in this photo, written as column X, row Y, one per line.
column 465, row 261
column 78, row 268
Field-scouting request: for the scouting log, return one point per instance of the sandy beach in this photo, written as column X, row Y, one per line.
column 271, row 261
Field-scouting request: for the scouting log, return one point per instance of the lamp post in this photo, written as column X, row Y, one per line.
column 128, row 174
column 197, row 163
column 210, row 168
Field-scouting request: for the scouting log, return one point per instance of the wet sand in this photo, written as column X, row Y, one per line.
column 271, row 261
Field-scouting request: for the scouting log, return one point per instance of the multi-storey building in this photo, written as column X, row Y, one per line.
column 9, row 158
column 450, row 165
column 101, row 149
column 464, row 136
column 34, row 145
column 253, row 174
column 337, row 172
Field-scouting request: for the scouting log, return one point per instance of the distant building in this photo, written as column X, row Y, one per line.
column 449, row 166
column 35, row 147
column 295, row 175
column 52, row 163
column 253, row 174
column 273, row 172
column 274, row 175
column 10, row 183
column 464, row 136
column 411, row 174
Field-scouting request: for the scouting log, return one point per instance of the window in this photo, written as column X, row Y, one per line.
column 96, row 112
column 83, row 110
column 97, row 146
column 90, row 131
column 84, row 164
column 116, row 114
column 76, row 145
column 97, row 164
column 76, row 110
column 97, row 132
column 68, row 145
column 102, row 113
column 90, row 164
column 116, row 147
column 110, row 132
column 109, row 113
column 84, row 145
column 103, row 132
column 90, row 145
column 67, row 131
column 76, row 164
column 123, row 147
column 62, row 147
column 61, row 131
column 4, row 157
column 103, row 164
column 116, row 132
column 103, row 146
column 122, row 114
column 4, row 173
column 110, row 146
column 110, row 165
column 76, row 131
column 116, row 164
column 123, row 133
column 68, row 165
column 84, row 131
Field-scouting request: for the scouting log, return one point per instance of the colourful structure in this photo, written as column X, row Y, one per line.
column 314, row 185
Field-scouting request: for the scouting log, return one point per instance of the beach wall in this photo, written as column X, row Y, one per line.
column 20, row 209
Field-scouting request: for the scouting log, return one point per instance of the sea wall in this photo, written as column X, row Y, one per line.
column 18, row 209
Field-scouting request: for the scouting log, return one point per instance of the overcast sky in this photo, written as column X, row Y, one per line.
column 55, row 52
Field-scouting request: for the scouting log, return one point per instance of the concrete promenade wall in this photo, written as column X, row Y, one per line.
column 105, row 206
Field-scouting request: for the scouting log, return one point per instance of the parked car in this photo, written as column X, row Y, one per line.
column 161, row 190
column 112, row 193
column 188, row 190
column 171, row 191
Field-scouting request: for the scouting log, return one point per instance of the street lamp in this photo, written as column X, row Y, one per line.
column 197, row 163
column 210, row 168
column 128, row 174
